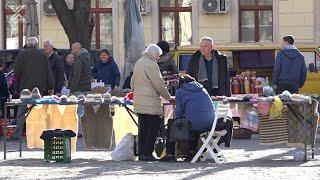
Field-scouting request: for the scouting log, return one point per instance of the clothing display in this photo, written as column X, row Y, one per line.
column 97, row 127
column 274, row 130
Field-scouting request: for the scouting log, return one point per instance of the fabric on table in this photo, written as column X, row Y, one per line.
column 97, row 127
column 275, row 130
column 44, row 117
column 123, row 123
column 36, row 123
column 297, row 127
column 64, row 117
column 264, row 107
column 244, row 110
column 276, row 108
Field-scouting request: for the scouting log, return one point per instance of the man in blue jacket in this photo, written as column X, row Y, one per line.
column 106, row 70
column 290, row 70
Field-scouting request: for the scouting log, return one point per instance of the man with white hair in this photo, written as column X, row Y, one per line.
column 148, row 85
column 56, row 64
column 32, row 68
column 209, row 67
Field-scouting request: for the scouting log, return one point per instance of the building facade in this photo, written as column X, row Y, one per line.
column 181, row 22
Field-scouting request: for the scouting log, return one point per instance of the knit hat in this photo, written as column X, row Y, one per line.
column 81, row 98
column 164, row 45
column 25, row 95
column 35, row 93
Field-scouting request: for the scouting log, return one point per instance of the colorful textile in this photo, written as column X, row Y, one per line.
column 273, row 130
column 276, row 108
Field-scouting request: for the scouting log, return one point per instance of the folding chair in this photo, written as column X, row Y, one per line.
column 211, row 138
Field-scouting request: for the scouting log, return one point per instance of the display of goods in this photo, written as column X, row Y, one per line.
column 248, row 83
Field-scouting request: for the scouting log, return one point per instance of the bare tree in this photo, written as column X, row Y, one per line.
column 78, row 23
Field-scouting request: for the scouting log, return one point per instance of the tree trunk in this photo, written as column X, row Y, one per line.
column 78, row 23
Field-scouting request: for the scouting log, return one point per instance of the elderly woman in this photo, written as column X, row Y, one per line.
column 148, row 85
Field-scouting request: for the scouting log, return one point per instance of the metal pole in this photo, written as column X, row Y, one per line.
column 5, row 132
column 306, row 131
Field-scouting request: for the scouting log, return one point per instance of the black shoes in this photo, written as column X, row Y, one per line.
column 168, row 158
column 147, row 158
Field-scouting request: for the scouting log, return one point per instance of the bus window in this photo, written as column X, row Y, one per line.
column 310, row 58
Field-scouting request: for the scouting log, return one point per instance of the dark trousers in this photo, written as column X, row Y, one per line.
column 149, row 126
column 171, row 145
column 289, row 87
column 212, row 92
column 20, row 121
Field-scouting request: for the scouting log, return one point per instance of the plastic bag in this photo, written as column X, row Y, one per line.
column 124, row 151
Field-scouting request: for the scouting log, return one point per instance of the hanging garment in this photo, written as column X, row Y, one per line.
column 273, row 130
column 97, row 127
column 276, row 108
column 64, row 117
column 296, row 124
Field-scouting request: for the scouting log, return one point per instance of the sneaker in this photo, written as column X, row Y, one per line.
column 147, row 158
column 168, row 158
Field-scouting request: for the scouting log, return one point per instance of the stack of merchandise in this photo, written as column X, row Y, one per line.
column 172, row 82
column 248, row 83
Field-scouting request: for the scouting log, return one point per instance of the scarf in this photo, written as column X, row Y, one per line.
column 202, row 72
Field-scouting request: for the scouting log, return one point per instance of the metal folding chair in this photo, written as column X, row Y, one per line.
column 211, row 138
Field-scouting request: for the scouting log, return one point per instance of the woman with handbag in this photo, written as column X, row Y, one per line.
column 194, row 104
column 148, row 85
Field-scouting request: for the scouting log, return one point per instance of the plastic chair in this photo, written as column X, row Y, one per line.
column 211, row 138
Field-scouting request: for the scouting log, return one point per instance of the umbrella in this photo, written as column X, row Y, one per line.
column 133, row 37
column 32, row 22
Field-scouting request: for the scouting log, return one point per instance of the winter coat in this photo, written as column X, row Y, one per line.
column 67, row 70
column 166, row 63
column 223, row 71
column 194, row 103
column 57, row 68
column 32, row 69
column 290, row 68
column 81, row 72
column 147, row 85
column 4, row 92
column 107, row 72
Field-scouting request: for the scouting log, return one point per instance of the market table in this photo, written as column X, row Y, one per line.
column 31, row 106
column 301, row 117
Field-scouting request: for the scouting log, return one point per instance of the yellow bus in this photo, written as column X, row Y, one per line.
column 260, row 58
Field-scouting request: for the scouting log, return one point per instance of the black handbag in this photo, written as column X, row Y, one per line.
column 180, row 130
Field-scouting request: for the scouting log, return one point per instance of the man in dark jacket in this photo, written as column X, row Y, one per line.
column 106, row 69
column 209, row 67
column 32, row 68
column 56, row 64
column 81, row 70
column 166, row 62
column 290, row 70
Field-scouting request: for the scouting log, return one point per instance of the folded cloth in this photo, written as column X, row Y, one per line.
column 264, row 107
column 276, row 108
column 300, row 98
column 49, row 134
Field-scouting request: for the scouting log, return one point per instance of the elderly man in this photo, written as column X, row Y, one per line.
column 209, row 67
column 32, row 69
column 56, row 64
column 81, row 70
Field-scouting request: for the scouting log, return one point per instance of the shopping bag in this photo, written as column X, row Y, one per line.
column 126, row 149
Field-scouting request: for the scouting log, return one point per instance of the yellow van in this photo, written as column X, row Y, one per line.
column 260, row 58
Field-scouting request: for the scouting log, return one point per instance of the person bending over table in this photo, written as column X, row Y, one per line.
column 147, row 85
column 193, row 103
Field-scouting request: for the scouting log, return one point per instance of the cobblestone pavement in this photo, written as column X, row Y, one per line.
column 247, row 160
